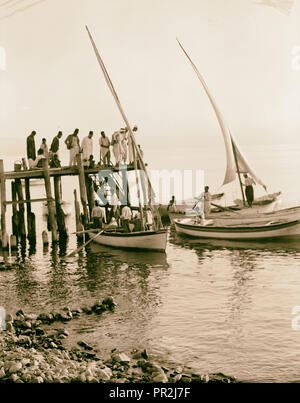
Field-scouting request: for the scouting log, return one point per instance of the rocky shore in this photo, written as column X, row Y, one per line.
column 32, row 350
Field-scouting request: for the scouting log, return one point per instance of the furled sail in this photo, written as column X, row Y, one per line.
column 242, row 164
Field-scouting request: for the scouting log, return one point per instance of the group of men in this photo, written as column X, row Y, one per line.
column 121, row 144
column 125, row 217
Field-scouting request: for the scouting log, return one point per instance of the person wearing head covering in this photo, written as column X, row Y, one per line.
column 249, row 189
column 72, row 143
column 31, row 154
column 116, row 144
column 87, row 148
column 44, row 147
column 126, row 217
column 130, row 147
column 54, row 148
column 97, row 215
column 124, row 145
column 207, row 201
column 104, row 149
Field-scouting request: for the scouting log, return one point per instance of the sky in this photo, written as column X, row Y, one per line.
column 244, row 51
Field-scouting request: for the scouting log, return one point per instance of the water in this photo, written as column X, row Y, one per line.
column 216, row 306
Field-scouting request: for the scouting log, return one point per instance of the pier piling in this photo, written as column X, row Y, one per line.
column 82, row 188
column 3, row 207
column 31, row 229
column 51, row 210
column 15, row 216
column 60, row 215
column 79, row 226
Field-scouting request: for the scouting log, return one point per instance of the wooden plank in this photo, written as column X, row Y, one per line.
column 26, row 201
column 66, row 171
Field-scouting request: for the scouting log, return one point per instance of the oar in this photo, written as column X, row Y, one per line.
column 224, row 208
column 82, row 246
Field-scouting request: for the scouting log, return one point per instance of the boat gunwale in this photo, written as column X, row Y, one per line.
column 129, row 234
column 237, row 229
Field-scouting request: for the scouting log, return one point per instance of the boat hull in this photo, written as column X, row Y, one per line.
column 247, row 216
column 145, row 240
column 269, row 230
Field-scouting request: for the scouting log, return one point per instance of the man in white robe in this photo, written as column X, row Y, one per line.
column 87, row 148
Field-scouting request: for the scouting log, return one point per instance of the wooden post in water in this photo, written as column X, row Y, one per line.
column 15, row 216
column 79, row 226
column 59, row 211
column 19, row 190
column 31, row 228
column 90, row 193
column 3, row 207
column 82, row 189
column 51, row 209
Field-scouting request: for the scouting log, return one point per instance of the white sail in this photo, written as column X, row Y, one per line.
column 242, row 164
column 230, row 174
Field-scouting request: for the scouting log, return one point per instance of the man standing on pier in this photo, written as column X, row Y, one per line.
column 31, row 155
column 104, row 149
column 87, row 148
column 55, row 144
column 73, row 145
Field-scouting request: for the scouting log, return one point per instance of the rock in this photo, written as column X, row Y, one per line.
column 14, row 378
column 109, row 303
column 20, row 313
column 84, row 345
column 9, row 327
column 9, row 317
column 120, row 357
column 160, row 378
column 15, row 367
column 177, row 378
column 25, row 362
column 2, row 373
column 32, row 317
column 104, row 374
column 39, row 331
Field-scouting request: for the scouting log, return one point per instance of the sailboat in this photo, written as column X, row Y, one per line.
column 237, row 165
column 154, row 239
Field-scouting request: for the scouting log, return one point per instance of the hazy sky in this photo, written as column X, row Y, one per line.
column 244, row 51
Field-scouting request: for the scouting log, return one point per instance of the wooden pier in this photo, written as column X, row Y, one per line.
column 22, row 176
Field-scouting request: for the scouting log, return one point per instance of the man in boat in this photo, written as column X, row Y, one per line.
column 31, row 155
column 126, row 217
column 172, row 205
column 54, row 148
column 97, row 216
column 207, row 201
column 249, row 182
column 104, row 149
column 87, row 148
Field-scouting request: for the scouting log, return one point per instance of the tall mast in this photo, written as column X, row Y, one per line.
column 238, row 172
column 136, row 150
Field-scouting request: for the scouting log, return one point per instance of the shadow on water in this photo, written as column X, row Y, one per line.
column 288, row 245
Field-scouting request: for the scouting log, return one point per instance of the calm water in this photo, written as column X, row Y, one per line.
column 214, row 306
